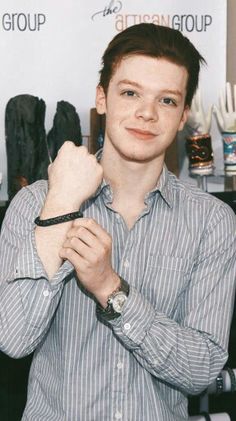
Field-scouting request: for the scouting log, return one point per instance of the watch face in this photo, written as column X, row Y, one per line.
column 118, row 301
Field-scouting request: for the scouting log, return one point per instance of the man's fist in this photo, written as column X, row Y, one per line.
column 74, row 176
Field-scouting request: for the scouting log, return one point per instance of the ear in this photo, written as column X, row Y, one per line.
column 100, row 100
column 183, row 118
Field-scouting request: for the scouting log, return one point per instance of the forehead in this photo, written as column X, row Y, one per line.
column 146, row 71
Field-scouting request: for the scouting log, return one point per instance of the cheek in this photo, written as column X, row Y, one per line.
column 116, row 115
column 176, row 120
column 169, row 130
column 112, row 123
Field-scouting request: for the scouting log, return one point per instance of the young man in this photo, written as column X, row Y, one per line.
column 128, row 308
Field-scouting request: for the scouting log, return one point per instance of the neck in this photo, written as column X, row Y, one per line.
column 130, row 182
column 127, row 177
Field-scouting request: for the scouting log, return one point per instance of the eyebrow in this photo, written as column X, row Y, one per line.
column 129, row 82
column 137, row 85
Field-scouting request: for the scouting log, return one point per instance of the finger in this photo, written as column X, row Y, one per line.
column 97, row 240
column 79, row 247
column 84, row 235
column 66, row 144
column 92, row 226
column 91, row 255
column 229, row 102
column 74, row 258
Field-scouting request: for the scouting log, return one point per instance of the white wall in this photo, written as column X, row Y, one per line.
column 231, row 41
column 52, row 49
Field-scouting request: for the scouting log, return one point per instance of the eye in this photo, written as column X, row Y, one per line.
column 129, row 93
column 168, row 101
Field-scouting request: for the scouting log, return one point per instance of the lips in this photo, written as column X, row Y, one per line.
column 141, row 134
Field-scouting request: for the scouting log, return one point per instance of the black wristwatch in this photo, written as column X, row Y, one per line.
column 115, row 302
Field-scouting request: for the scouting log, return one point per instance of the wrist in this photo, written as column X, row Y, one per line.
column 113, row 284
column 115, row 302
column 56, row 206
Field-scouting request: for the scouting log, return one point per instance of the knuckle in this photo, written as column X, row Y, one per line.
column 91, row 222
column 83, row 149
column 80, row 230
column 67, row 251
column 108, row 242
column 67, row 144
column 93, row 158
column 104, row 250
column 73, row 240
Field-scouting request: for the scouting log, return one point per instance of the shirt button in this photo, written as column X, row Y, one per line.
column 46, row 293
column 118, row 415
column 127, row 326
column 120, row 365
column 126, row 263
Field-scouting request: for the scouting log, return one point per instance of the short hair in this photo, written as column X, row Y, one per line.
column 154, row 41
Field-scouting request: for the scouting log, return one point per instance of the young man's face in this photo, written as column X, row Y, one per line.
column 144, row 107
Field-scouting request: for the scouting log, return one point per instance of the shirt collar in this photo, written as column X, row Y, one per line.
column 162, row 187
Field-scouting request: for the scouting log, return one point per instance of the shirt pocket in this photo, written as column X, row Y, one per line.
column 165, row 280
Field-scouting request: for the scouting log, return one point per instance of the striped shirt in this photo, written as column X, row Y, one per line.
column 171, row 339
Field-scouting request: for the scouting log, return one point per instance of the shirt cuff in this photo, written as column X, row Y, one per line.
column 136, row 320
column 29, row 266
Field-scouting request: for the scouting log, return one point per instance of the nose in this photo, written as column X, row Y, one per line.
column 147, row 110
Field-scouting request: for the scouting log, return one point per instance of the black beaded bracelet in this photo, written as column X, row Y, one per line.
column 58, row 219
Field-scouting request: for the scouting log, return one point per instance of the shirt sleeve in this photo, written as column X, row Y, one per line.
column 28, row 300
column 189, row 352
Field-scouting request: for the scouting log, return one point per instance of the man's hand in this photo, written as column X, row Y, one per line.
column 88, row 247
column 199, row 122
column 73, row 177
column 226, row 113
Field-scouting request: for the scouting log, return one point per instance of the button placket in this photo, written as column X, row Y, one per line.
column 120, row 365
column 120, row 386
column 118, row 415
column 46, row 293
column 127, row 326
column 126, row 263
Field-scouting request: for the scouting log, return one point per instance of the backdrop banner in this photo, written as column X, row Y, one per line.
column 52, row 49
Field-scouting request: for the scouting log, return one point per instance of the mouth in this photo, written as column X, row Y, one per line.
column 141, row 134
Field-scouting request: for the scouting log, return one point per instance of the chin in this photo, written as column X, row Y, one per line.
column 138, row 157
column 143, row 153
